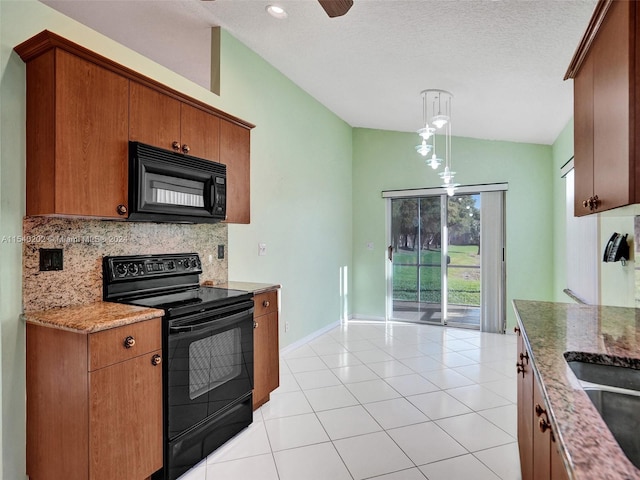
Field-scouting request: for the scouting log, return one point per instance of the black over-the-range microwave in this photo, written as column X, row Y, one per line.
column 166, row 186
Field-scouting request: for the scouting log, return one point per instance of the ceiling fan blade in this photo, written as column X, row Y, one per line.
column 336, row 8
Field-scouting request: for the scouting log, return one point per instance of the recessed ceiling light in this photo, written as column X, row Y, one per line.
column 276, row 11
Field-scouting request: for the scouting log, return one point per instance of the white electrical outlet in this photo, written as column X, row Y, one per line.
column 286, row 327
column 262, row 249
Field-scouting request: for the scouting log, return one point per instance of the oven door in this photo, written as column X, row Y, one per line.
column 209, row 364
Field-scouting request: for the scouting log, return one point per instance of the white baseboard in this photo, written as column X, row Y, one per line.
column 357, row 316
column 308, row 338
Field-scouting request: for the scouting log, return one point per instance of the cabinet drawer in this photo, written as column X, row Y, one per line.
column 265, row 303
column 122, row 343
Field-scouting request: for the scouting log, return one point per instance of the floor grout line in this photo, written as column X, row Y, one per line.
column 412, row 337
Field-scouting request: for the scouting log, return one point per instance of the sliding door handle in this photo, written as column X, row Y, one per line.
column 390, row 251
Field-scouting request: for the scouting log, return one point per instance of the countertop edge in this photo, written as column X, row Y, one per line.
column 92, row 317
column 253, row 287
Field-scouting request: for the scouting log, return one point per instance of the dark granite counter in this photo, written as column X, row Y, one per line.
column 610, row 334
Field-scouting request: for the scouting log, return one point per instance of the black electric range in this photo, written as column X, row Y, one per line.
column 207, row 345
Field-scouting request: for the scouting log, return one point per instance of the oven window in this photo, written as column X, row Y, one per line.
column 213, row 361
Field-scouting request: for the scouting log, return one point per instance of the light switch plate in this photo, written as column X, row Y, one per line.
column 262, row 249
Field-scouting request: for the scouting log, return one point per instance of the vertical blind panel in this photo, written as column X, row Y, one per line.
column 492, row 296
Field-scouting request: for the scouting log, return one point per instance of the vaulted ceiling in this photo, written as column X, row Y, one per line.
column 503, row 60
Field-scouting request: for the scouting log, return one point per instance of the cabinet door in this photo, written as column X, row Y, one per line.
column 235, row 154
column 558, row 470
column 91, row 162
column 266, row 358
column 125, row 420
column 583, row 136
column 611, row 88
column 154, row 117
column 541, row 440
column 525, row 411
column 200, row 132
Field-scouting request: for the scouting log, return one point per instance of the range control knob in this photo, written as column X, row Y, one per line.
column 121, row 270
column 133, row 269
column 171, row 265
column 194, row 263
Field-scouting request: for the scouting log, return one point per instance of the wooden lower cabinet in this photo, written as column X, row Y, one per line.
column 266, row 364
column 94, row 411
column 540, row 457
column 525, row 410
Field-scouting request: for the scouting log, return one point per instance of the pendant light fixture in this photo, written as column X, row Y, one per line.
column 436, row 117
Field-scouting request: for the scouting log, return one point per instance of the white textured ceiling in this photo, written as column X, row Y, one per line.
column 503, row 60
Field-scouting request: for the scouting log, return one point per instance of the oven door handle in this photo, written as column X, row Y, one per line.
column 218, row 323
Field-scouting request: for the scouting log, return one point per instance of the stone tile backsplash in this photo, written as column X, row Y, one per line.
column 84, row 243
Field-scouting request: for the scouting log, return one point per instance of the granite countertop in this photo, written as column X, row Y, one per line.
column 253, row 287
column 608, row 334
column 92, row 317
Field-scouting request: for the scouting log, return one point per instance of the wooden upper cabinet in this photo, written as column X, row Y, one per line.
column 160, row 120
column 583, row 137
column 612, row 87
column 154, row 118
column 77, row 117
column 82, row 110
column 200, row 132
column 235, row 154
column 604, row 72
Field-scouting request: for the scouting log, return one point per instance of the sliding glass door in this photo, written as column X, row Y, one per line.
column 416, row 256
column 435, row 260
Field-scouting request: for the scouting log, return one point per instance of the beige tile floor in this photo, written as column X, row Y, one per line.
column 385, row 402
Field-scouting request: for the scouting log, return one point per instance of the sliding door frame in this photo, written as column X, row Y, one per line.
column 389, row 195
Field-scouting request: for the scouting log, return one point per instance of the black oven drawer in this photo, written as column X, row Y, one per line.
column 188, row 449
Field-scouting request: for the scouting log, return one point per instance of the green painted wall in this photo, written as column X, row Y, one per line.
column 301, row 191
column 384, row 160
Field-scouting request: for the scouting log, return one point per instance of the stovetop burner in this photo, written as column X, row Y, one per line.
column 202, row 296
column 169, row 282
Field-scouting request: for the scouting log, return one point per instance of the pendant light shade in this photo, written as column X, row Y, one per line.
column 424, row 148
column 436, row 118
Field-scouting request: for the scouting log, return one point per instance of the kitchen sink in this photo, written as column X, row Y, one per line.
column 611, row 375
column 621, row 412
column 615, row 392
